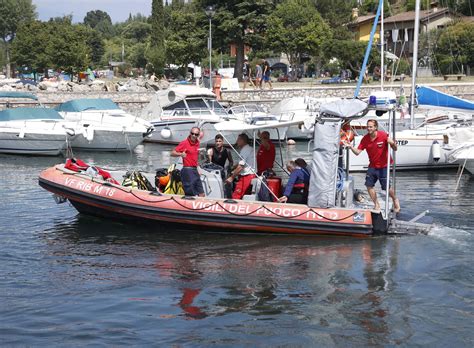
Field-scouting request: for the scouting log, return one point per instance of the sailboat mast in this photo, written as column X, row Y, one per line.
column 382, row 47
column 415, row 63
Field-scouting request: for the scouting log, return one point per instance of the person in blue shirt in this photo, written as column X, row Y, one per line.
column 296, row 190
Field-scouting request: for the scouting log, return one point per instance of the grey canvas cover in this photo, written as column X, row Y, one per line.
column 322, row 183
column 345, row 108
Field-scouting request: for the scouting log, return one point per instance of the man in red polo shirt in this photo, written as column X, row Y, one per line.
column 376, row 143
column 266, row 153
column 188, row 149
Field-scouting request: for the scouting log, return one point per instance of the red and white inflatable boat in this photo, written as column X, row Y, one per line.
column 94, row 196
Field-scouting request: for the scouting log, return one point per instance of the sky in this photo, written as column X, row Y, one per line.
column 118, row 10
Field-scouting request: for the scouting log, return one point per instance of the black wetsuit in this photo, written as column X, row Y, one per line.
column 220, row 157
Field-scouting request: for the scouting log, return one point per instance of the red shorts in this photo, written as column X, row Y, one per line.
column 242, row 186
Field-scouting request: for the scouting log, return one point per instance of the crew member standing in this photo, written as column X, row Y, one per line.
column 266, row 153
column 188, row 149
column 376, row 143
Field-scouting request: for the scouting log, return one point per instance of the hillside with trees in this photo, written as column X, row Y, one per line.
column 313, row 32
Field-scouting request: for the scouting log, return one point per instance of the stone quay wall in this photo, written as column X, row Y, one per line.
column 134, row 102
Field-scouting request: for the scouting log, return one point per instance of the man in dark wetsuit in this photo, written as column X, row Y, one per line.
column 219, row 154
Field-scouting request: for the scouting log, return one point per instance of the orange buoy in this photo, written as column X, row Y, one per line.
column 346, row 136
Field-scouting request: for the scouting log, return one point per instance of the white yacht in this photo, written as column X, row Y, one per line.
column 105, row 127
column 254, row 114
column 174, row 111
column 32, row 131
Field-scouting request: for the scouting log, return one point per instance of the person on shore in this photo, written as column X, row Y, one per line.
column 245, row 169
column 247, row 73
column 267, row 74
column 258, row 76
column 296, row 190
column 376, row 143
column 266, row 153
column 219, row 154
column 188, row 150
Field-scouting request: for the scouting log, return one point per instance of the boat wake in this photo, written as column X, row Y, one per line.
column 455, row 236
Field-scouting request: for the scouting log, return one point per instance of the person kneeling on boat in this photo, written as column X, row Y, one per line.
column 376, row 143
column 245, row 168
column 188, row 150
column 296, row 190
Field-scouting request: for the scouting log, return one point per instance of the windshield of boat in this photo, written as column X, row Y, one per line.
column 216, row 107
column 245, row 109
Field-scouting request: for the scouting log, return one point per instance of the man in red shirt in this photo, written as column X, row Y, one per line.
column 188, row 149
column 266, row 153
column 376, row 143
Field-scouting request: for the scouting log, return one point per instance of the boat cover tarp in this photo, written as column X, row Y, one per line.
column 427, row 96
column 79, row 105
column 322, row 183
column 344, row 108
column 14, row 94
column 20, row 114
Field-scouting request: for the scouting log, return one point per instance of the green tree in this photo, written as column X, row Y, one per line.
column 337, row 13
column 186, row 39
column 296, row 29
column 93, row 18
column 30, row 46
column 96, row 44
column 54, row 44
column 156, row 51
column 137, row 31
column 350, row 54
column 136, row 55
column 13, row 13
column 100, row 21
column 238, row 22
column 455, row 48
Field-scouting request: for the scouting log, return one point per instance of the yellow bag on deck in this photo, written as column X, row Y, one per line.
column 174, row 186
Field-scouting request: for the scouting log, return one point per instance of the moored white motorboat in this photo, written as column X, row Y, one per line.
column 21, row 134
column 33, row 131
column 105, row 127
column 256, row 115
column 174, row 111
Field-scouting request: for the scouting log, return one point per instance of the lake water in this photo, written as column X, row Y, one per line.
column 71, row 280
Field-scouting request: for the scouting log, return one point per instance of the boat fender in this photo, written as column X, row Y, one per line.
column 88, row 133
column 21, row 135
column 165, row 133
column 435, row 151
column 70, row 131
